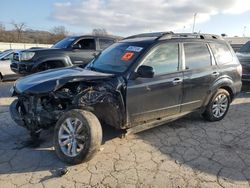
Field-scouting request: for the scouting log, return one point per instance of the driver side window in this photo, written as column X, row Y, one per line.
column 86, row 44
column 164, row 58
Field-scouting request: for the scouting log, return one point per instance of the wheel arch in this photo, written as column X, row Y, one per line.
column 229, row 90
column 224, row 83
column 108, row 107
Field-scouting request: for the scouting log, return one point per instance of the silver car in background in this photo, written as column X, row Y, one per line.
column 5, row 60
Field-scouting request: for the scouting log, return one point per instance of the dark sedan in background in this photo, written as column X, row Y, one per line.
column 244, row 58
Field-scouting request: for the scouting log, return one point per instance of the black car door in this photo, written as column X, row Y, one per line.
column 152, row 98
column 83, row 51
column 200, row 72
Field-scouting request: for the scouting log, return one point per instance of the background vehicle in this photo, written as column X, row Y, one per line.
column 5, row 60
column 244, row 58
column 67, row 52
column 140, row 82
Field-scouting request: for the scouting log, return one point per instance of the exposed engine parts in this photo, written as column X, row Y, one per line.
column 42, row 111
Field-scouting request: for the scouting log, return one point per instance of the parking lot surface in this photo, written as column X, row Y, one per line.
column 189, row 152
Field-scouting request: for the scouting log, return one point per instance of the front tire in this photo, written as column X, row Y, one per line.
column 77, row 136
column 218, row 106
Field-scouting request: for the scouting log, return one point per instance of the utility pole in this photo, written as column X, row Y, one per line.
column 195, row 14
column 244, row 31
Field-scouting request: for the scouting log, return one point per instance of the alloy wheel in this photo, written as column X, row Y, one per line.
column 220, row 105
column 72, row 137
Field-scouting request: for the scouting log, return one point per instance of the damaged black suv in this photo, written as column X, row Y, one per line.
column 140, row 82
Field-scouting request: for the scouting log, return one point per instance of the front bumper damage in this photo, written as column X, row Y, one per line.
column 41, row 111
column 29, row 112
column 15, row 115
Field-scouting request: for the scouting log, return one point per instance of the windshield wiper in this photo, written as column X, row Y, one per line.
column 92, row 68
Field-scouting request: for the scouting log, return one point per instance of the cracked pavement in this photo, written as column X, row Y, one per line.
column 189, row 152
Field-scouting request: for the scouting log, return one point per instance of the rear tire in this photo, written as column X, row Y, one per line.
column 77, row 136
column 218, row 106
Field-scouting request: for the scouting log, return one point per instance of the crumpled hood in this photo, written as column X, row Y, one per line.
column 51, row 80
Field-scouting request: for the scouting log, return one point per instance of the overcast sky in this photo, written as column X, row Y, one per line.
column 125, row 17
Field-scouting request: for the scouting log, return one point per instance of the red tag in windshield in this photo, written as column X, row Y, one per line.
column 127, row 56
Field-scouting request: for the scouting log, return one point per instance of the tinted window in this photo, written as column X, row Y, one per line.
column 104, row 43
column 196, row 55
column 221, row 53
column 86, row 44
column 163, row 58
column 64, row 43
column 116, row 58
column 245, row 48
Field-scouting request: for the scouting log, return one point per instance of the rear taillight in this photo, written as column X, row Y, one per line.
column 239, row 70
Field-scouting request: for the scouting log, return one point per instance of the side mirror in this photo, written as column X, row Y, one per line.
column 145, row 71
column 76, row 46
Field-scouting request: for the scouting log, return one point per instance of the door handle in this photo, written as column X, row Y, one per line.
column 215, row 74
column 177, row 81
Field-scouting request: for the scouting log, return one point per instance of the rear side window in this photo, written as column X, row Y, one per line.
column 221, row 53
column 197, row 55
column 104, row 43
column 164, row 58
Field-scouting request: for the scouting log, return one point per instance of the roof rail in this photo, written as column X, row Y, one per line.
column 157, row 35
column 172, row 35
column 190, row 35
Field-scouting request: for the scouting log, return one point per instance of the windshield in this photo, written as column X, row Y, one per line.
column 64, row 43
column 117, row 58
column 245, row 48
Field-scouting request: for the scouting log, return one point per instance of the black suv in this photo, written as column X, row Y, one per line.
column 69, row 51
column 140, row 82
column 244, row 57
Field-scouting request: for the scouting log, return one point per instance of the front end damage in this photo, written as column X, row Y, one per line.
column 36, row 112
column 103, row 97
